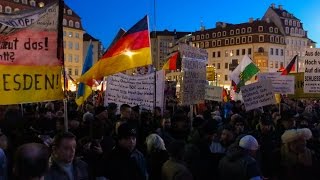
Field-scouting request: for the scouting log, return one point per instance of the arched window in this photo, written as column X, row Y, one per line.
column 33, row 3
column 64, row 22
column 7, row 9
column 260, row 50
column 16, row 9
column 296, row 31
column 70, row 23
column 77, row 25
column 69, row 12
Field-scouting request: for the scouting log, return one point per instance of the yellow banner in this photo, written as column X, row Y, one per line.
column 298, row 88
column 210, row 73
column 21, row 84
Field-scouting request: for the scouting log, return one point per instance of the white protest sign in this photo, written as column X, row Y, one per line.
column 213, row 93
column 281, row 84
column 135, row 90
column 257, row 95
column 311, row 61
column 194, row 82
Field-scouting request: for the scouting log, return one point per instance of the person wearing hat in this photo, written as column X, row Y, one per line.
column 297, row 160
column 125, row 162
column 240, row 163
column 269, row 144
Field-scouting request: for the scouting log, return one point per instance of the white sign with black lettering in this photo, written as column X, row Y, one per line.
column 258, row 94
column 135, row 90
column 194, row 82
column 213, row 93
column 311, row 61
column 281, row 84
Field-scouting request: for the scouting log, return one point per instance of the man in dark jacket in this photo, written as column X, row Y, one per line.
column 239, row 163
column 64, row 166
column 125, row 161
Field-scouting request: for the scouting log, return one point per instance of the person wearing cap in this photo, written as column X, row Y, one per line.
column 297, row 160
column 269, row 145
column 125, row 161
column 240, row 163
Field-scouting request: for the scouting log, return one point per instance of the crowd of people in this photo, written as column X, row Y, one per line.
column 220, row 142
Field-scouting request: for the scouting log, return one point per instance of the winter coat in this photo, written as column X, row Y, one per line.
column 125, row 165
column 238, row 164
column 175, row 170
column 155, row 161
column 80, row 171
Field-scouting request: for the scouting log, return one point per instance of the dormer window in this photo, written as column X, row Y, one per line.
column 224, row 33
column 260, row 28
column 207, row 36
column 249, row 29
column 276, row 30
column 286, row 22
column 7, row 9
column 69, row 12
column 294, row 23
column 198, row 37
column 271, row 29
column 33, row 3
column 64, row 22
column 214, row 35
column 290, row 22
column 71, row 23
column 24, row 1
column 77, row 25
column 202, row 36
column 243, row 30
column 237, row 31
column 219, row 34
column 231, row 32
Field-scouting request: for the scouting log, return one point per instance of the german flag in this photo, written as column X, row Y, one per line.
column 290, row 66
column 173, row 62
column 130, row 51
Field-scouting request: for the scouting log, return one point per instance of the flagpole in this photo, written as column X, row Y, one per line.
column 154, row 63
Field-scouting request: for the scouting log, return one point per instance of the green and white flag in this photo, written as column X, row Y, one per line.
column 244, row 72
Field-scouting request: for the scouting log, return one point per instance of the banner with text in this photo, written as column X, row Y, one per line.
column 281, row 84
column 214, row 93
column 135, row 90
column 258, row 94
column 311, row 61
column 194, row 82
column 298, row 88
column 30, row 66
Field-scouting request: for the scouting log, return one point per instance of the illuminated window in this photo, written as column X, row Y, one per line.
column 271, row 64
column 16, row 9
column 70, row 34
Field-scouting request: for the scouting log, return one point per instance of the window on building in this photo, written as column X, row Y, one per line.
column 243, row 30
column 237, row 31
column 64, row 44
column 296, row 30
column 70, row 34
column 213, row 54
column 76, row 58
column 197, row 45
column 292, row 30
column 214, row 64
column 214, row 35
column 201, row 45
column 277, row 39
column 231, row 32
column 76, row 72
column 219, row 34
column 276, row 30
column 193, row 38
column 238, row 40
column 271, row 29
column 286, row 21
column 207, row 36
column 207, row 44
column 70, row 57
column 226, row 53
column 41, row 4
column 238, row 52
column 298, row 24
column 243, row 40
column 77, row 35
column 33, row 3
column 231, row 53
column 64, row 22
column 243, row 51
column 226, row 77
column 249, row 51
column 290, row 22
column 294, row 23
column 219, row 43
column 70, row 45
column 271, row 64
column 261, row 38
column 77, row 25
column 271, row 38
column 202, row 36
column 260, row 50
column 69, row 12
column 218, row 65
column 198, row 37
column 76, row 46
column 7, row 9
column 232, row 41
column 281, row 40
column 224, row 33
column 219, row 54
column 0, row 8
column 226, row 41
column 213, row 43
column 249, row 29
column 69, row 71
column 70, row 23
column 249, row 39
column 287, row 30
column 276, row 64
column 260, row 28
column 281, row 64
column 64, row 33
column 16, row 9
column 271, row 51
column 277, row 52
